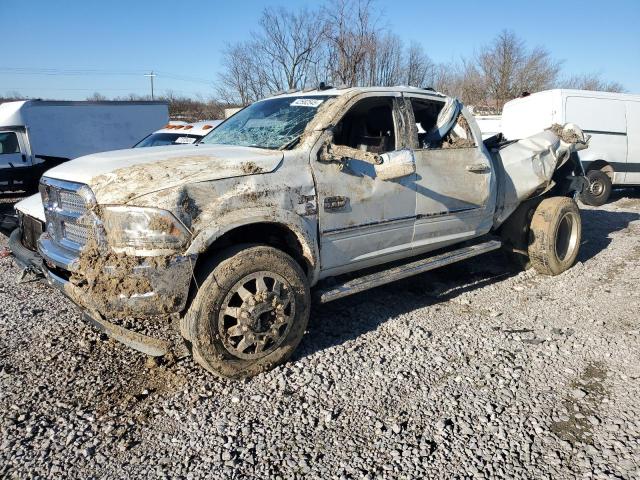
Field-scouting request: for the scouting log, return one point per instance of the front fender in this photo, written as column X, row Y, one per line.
column 304, row 228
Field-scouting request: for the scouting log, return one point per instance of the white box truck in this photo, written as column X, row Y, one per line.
column 612, row 120
column 36, row 135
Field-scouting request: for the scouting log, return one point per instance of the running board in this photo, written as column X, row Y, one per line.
column 392, row 274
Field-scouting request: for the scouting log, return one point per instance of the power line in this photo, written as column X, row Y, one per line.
column 99, row 90
column 83, row 72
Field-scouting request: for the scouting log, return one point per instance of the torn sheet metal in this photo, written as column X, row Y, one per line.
column 526, row 167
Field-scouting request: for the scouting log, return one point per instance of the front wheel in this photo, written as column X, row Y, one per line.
column 555, row 234
column 250, row 313
column 599, row 189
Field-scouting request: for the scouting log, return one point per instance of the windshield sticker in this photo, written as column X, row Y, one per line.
column 185, row 140
column 307, row 102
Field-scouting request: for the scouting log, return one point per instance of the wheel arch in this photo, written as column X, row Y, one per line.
column 294, row 234
column 601, row 165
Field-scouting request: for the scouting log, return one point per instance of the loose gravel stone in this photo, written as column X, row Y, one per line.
column 473, row 371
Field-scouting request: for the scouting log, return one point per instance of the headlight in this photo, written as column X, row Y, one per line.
column 143, row 230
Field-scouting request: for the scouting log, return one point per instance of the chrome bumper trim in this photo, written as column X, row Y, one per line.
column 55, row 254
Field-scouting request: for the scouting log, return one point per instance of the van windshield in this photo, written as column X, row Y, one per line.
column 9, row 143
column 272, row 124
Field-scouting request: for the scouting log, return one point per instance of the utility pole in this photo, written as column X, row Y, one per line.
column 151, row 77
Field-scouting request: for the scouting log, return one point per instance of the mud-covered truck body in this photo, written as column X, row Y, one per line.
column 325, row 192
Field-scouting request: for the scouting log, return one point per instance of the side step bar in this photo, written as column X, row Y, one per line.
column 392, row 274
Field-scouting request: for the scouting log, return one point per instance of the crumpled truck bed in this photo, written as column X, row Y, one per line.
column 525, row 168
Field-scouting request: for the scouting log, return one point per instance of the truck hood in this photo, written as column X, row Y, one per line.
column 123, row 175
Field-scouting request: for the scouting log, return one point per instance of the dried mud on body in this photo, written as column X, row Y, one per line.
column 473, row 371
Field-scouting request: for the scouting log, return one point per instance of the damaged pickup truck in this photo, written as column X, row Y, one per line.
column 326, row 192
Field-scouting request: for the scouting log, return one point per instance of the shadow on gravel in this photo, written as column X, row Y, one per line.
column 597, row 225
column 338, row 322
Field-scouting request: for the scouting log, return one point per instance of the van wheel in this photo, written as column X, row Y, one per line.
column 250, row 313
column 555, row 235
column 599, row 188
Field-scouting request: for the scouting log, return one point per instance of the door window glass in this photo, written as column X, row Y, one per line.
column 9, row 143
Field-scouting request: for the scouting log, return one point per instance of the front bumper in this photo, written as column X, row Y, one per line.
column 167, row 284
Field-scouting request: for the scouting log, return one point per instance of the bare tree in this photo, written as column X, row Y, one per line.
column 420, row 71
column 97, row 97
column 290, row 43
column 592, row 81
column 12, row 96
column 509, row 68
column 241, row 81
column 384, row 62
column 281, row 56
column 350, row 34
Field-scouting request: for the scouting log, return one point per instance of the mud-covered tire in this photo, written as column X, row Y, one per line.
column 599, row 189
column 554, row 235
column 232, row 286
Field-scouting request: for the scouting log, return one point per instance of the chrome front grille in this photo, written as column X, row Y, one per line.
column 71, row 202
column 76, row 233
column 66, row 207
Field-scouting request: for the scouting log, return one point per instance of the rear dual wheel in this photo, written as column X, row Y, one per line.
column 554, row 235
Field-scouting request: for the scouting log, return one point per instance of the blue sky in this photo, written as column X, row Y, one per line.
column 120, row 40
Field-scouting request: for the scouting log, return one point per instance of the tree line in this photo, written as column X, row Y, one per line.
column 345, row 43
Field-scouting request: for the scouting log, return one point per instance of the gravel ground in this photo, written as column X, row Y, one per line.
column 473, row 371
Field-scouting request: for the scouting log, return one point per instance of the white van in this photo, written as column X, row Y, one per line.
column 36, row 135
column 612, row 120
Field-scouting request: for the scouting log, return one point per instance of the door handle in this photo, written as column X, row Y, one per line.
column 479, row 168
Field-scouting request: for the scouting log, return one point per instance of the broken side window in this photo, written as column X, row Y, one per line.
column 368, row 126
column 441, row 124
column 425, row 113
column 460, row 136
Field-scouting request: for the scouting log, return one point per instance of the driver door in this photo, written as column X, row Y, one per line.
column 364, row 220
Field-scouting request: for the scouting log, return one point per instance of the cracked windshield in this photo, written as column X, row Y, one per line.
column 273, row 124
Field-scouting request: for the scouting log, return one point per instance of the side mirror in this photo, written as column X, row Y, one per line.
column 396, row 164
